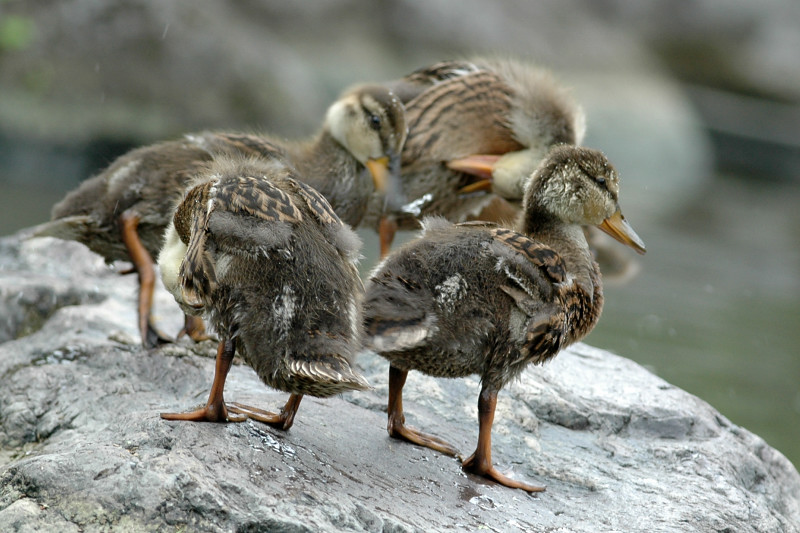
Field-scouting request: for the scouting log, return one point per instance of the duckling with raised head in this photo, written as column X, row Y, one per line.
column 122, row 212
column 477, row 129
column 266, row 260
column 477, row 298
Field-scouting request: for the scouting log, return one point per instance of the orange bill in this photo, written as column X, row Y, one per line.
column 480, row 165
column 379, row 169
column 618, row 227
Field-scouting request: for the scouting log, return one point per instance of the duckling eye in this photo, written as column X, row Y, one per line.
column 600, row 180
column 375, row 122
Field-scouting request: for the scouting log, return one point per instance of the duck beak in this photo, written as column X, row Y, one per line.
column 477, row 165
column 385, row 172
column 618, row 227
column 379, row 169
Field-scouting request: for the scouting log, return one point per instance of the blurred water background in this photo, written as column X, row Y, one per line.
column 696, row 102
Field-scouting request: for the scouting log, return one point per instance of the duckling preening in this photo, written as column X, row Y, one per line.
column 477, row 298
column 477, row 129
column 122, row 212
column 265, row 259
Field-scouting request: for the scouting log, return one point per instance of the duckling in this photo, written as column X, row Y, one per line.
column 477, row 298
column 475, row 128
column 122, row 212
column 267, row 261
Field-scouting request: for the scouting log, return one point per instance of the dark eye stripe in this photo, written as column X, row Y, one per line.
column 386, row 107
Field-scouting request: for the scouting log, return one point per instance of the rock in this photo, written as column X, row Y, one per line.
column 83, row 448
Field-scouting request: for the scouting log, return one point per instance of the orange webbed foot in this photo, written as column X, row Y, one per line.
column 481, row 467
column 283, row 420
column 209, row 413
column 399, row 430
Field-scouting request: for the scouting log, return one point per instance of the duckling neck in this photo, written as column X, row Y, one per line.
column 569, row 241
column 333, row 171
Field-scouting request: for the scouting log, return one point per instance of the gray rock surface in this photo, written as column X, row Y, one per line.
column 82, row 447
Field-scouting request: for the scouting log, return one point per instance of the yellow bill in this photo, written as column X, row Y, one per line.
column 379, row 169
column 618, row 227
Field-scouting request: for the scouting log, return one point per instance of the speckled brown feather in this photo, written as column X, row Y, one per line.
column 123, row 212
column 455, row 109
column 537, row 253
column 411, row 85
column 266, row 264
column 321, row 209
column 476, row 298
column 245, row 144
column 532, row 292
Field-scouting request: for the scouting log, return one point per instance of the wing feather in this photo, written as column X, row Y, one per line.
column 530, row 254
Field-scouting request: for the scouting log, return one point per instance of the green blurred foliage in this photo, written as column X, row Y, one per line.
column 16, row 32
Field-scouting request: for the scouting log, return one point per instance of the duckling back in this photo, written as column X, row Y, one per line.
column 147, row 180
column 468, row 299
column 500, row 107
column 275, row 269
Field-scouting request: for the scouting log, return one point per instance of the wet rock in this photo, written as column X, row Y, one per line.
column 82, row 447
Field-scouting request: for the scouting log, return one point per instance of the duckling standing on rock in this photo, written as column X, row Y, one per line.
column 475, row 127
column 476, row 298
column 267, row 261
column 122, row 212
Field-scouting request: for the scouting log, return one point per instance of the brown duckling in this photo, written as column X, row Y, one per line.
column 267, row 261
column 475, row 127
column 476, row 298
column 122, row 212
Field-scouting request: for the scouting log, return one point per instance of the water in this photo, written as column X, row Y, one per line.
column 714, row 310
column 716, row 306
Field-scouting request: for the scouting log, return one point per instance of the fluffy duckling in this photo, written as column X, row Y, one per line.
column 266, row 260
column 474, row 127
column 476, row 298
column 122, row 212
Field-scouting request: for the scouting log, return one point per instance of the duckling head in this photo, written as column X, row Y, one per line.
column 369, row 121
column 578, row 186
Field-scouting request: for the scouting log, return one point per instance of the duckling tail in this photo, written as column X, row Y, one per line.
column 326, row 376
column 71, row 228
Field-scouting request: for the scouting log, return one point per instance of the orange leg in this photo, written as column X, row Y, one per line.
column 480, row 462
column 143, row 264
column 195, row 328
column 396, row 425
column 215, row 409
column 386, row 231
column 282, row 420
